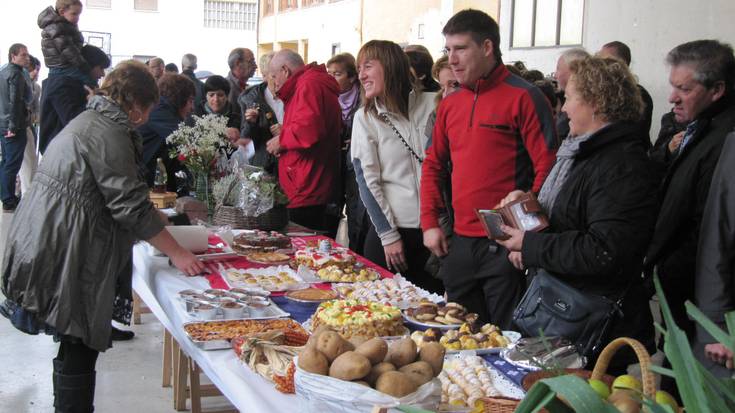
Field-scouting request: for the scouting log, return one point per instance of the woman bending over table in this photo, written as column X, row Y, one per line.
column 68, row 255
column 388, row 144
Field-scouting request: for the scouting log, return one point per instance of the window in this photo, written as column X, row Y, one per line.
column 268, row 7
column 546, row 23
column 307, row 3
column 233, row 15
column 99, row 4
column 147, row 5
column 285, row 5
column 336, row 48
column 421, row 31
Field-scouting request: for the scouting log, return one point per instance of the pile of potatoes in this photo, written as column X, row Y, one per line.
column 397, row 370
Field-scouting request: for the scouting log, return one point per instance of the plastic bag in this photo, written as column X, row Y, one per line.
column 327, row 394
column 257, row 191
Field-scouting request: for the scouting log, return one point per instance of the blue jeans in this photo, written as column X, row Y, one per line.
column 12, row 158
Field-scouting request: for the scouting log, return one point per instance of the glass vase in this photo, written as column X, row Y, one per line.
column 203, row 192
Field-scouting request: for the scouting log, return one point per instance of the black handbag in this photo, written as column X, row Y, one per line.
column 558, row 309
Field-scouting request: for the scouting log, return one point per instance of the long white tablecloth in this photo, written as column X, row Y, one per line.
column 157, row 284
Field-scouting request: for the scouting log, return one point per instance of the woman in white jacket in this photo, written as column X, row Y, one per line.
column 387, row 151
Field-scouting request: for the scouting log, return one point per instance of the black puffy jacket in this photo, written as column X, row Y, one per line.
column 601, row 223
column 61, row 41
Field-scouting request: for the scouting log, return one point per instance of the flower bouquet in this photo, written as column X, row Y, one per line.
column 202, row 149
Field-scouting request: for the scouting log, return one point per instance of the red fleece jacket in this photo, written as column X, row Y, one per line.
column 308, row 169
column 499, row 137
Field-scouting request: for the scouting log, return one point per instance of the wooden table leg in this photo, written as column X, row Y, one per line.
column 181, row 370
column 136, row 308
column 194, row 391
column 168, row 356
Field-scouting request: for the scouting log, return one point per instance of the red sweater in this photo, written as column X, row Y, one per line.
column 308, row 169
column 499, row 137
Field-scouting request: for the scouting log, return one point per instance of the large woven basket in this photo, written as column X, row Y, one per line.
column 274, row 219
column 506, row 405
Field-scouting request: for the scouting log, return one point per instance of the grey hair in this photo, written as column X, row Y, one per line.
column 711, row 60
column 290, row 58
column 574, row 54
column 264, row 61
column 189, row 61
column 155, row 61
column 237, row 55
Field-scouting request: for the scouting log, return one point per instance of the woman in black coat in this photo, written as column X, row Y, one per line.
column 600, row 198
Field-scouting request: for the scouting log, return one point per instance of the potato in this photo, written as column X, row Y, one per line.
column 420, row 372
column 433, row 353
column 331, row 345
column 315, row 335
column 311, row 360
column 402, row 352
column 395, row 383
column 374, row 349
column 350, row 366
column 377, row 370
column 356, row 341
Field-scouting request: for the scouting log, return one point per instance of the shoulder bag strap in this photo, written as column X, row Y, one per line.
column 408, row 147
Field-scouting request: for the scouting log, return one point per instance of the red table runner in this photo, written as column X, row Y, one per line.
column 216, row 279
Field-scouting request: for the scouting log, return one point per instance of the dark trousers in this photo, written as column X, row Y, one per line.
column 416, row 256
column 358, row 221
column 482, row 280
column 312, row 217
column 74, row 377
column 12, row 158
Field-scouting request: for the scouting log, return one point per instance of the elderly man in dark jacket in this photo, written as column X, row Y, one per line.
column 13, row 121
column 702, row 76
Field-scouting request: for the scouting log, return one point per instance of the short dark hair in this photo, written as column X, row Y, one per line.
column 711, row 60
column 94, row 56
column 15, row 50
column 422, row 63
column 217, row 82
column 547, row 88
column 348, row 63
column 478, row 25
column 130, row 84
column 171, row 67
column 177, row 89
column 35, row 63
column 621, row 50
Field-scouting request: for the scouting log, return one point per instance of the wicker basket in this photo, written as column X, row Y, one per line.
column 274, row 219
column 506, row 405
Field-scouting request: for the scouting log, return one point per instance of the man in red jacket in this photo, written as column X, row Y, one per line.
column 309, row 141
column 498, row 132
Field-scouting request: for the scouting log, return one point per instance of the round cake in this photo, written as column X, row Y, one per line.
column 316, row 259
column 352, row 318
column 260, row 241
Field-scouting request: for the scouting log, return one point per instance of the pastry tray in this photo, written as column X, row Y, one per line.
column 248, row 327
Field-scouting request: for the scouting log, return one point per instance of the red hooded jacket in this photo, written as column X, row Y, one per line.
column 308, row 169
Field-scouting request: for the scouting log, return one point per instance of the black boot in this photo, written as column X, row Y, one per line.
column 121, row 335
column 74, row 393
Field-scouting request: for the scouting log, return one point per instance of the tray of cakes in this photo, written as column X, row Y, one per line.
column 485, row 339
column 467, row 379
column 444, row 317
column 396, row 291
column 353, row 318
column 324, row 256
column 261, row 241
column 216, row 335
column 237, row 303
column 274, row 278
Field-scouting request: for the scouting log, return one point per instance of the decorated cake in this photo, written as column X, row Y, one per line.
column 324, row 256
column 351, row 318
column 260, row 241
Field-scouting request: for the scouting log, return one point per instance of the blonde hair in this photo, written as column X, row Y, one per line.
column 440, row 64
column 396, row 74
column 130, row 84
column 608, row 86
column 62, row 5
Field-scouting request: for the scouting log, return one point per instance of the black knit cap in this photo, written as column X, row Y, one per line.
column 95, row 56
column 217, row 82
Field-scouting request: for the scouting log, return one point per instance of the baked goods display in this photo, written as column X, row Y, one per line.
column 324, row 256
column 465, row 381
column 467, row 337
column 229, row 329
column 260, row 241
column 347, row 274
column 313, row 295
column 431, row 314
column 277, row 278
column 395, row 291
column 396, row 370
column 268, row 257
column 353, row 318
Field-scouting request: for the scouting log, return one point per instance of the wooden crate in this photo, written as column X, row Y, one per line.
column 163, row 199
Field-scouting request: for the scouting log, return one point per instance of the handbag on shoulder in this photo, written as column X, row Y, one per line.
column 558, row 309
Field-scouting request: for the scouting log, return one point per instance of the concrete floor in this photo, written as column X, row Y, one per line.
column 128, row 375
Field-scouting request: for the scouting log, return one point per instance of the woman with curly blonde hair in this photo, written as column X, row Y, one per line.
column 600, row 201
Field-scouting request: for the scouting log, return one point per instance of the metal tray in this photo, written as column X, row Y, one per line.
column 216, row 344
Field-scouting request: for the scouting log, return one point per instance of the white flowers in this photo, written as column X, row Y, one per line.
column 200, row 146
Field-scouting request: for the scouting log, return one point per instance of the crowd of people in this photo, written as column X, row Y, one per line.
column 409, row 148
